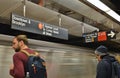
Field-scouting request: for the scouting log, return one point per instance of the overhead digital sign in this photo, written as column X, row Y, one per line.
column 38, row 27
column 99, row 36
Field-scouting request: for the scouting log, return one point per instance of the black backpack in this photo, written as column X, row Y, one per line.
column 36, row 67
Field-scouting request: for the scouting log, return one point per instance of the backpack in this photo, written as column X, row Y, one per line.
column 35, row 67
column 115, row 69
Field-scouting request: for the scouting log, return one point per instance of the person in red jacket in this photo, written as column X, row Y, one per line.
column 18, row 68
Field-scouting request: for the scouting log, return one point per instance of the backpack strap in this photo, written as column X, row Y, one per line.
column 28, row 54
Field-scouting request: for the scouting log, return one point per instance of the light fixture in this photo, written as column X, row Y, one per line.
column 105, row 8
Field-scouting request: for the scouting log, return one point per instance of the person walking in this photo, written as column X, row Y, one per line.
column 104, row 66
column 18, row 68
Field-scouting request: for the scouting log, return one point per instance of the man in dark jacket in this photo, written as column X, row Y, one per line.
column 104, row 67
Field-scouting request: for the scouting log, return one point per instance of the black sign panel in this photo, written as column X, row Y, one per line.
column 111, row 34
column 99, row 36
column 33, row 26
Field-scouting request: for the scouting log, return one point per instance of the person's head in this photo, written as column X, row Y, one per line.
column 19, row 42
column 100, row 52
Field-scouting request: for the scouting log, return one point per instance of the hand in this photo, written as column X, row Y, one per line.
column 11, row 67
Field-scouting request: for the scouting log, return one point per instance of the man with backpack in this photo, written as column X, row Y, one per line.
column 104, row 67
column 20, row 67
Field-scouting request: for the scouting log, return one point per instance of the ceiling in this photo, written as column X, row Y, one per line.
column 84, row 8
column 37, row 12
column 77, row 16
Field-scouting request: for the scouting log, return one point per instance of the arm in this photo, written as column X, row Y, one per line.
column 18, row 69
column 11, row 70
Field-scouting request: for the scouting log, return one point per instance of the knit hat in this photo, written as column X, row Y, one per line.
column 101, row 50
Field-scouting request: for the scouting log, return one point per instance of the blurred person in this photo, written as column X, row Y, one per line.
column 18, row 68
column 116, row 67
column 104, row 66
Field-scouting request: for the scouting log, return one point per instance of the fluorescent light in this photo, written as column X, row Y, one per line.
column 114, row 15
column 105, row 8
column 99, row 4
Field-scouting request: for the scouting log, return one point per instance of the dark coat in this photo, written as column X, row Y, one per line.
column 104, row 67
column 116, row 69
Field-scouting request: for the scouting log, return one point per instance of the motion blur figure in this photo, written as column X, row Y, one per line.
column 116, row 65
column 104, row 68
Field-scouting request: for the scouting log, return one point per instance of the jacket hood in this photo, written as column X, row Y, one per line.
column 110, row 58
